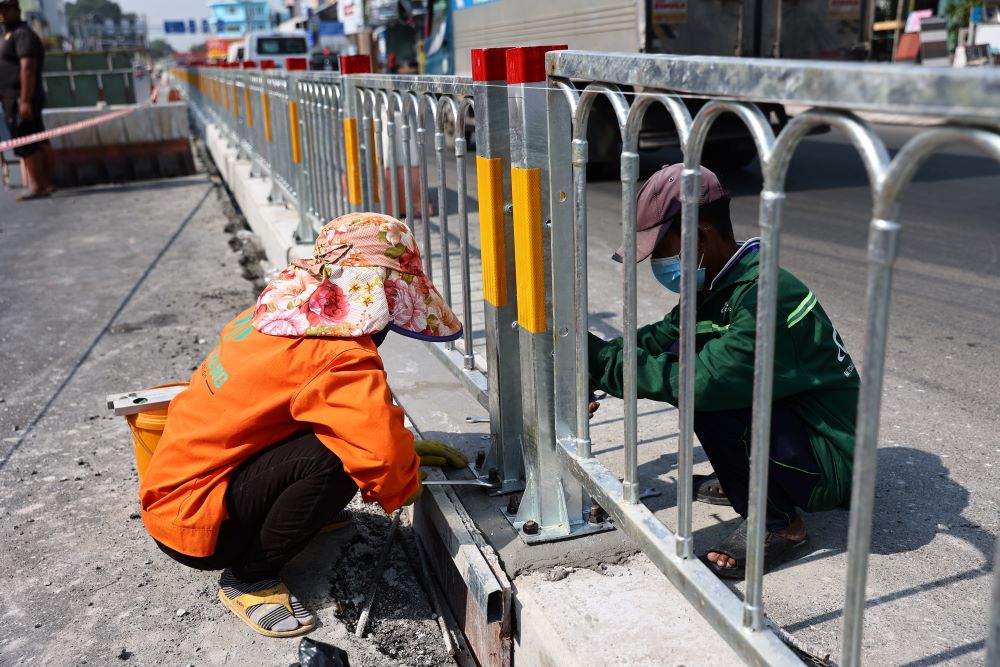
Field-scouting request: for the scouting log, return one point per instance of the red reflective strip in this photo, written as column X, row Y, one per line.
column 526, row 64
column 489, row 64
column 355, row 64
column 249, row 64
column 296, row 64
column 267, row 64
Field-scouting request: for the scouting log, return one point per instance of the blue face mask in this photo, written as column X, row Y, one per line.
column 667, row 271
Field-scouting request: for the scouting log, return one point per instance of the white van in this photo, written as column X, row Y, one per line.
column 276, row 46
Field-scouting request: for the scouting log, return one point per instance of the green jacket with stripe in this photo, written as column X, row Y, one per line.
column 813, row 372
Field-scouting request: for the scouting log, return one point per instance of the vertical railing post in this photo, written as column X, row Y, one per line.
column 391, row 188
column 504, row 461
column 993, row 630
column 304, row 233
column 337, row 136
column 552, row 502
column 352, row 145
column 425, row 104
column 442, row 192
column 882, row 249
column 461, row 186
column 409, row 102
column 771, row 204
column 569, row 282
column 252, row 120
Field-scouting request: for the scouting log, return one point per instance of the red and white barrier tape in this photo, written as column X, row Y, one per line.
column 65, row 129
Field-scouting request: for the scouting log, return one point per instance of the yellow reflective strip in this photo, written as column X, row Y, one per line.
column 293, row 127
column 248, row 106
column 492, row 241
column 803, row 309
column 707, row 326
column 527, row 196
column 265, row 103
column 375, row 167
column 224, row 94
column 353, row 162
column 236, row 102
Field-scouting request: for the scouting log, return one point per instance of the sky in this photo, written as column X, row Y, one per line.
column 157, row 11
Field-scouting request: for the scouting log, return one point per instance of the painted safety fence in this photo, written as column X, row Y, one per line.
column 356, row 141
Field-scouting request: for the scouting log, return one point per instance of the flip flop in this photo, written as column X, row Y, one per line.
column 777, row 550
column 707, row 489
column 28, row 196
column 275, row 595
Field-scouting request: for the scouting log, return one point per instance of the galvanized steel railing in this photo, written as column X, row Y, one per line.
column 326, row 140
column 333, row 144
column 968, row 99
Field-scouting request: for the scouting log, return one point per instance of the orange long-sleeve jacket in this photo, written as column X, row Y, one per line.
column 254, row 390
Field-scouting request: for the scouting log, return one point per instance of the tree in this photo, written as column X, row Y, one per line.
column 160, row 48
column 199, row 48
column 96, row 11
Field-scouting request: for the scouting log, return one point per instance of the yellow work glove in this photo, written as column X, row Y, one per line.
column 419, row 490
column 436, row 453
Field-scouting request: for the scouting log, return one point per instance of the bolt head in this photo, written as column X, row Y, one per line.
column 530, row 527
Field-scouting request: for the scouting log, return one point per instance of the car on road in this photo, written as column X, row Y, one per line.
column 326, row 60
column 277, row 46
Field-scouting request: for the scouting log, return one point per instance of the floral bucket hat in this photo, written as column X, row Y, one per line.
column 365, row 275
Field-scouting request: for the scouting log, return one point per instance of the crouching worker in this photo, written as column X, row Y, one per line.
column 290, row 415
column 815, row 382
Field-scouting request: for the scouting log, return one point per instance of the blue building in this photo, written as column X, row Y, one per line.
column 238, row 18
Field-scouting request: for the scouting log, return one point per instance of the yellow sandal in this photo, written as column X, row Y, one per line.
column 274, row 595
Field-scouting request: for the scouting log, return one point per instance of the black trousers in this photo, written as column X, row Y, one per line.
column 20, row 127
column 793, row 471
column 277, row 501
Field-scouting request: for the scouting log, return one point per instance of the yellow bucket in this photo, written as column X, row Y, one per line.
column 147, row 427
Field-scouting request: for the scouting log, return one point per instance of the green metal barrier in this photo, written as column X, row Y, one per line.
column 85, row 78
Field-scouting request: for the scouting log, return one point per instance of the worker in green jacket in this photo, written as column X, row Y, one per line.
column 815, row 381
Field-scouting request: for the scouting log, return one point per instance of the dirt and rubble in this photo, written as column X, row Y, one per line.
column 143, row 279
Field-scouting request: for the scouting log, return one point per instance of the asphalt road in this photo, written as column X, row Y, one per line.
column 936, row 516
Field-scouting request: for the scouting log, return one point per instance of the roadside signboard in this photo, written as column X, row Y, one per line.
column 218, row 48
column 352, row 14
column 673, row 12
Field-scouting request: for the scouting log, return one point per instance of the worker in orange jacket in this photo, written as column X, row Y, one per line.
column 290, row 415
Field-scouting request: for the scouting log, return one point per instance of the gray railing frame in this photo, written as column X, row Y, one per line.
column 556, row 460
column 968, row 99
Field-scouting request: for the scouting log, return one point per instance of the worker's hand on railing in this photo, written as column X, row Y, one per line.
column 419, row 490
column 436, row 453
column 594, row 405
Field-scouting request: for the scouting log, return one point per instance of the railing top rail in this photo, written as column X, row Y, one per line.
column 968, row 94
column 314, row 76
column 438, row 85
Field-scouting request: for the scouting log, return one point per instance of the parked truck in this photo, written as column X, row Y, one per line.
column 825, row 29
